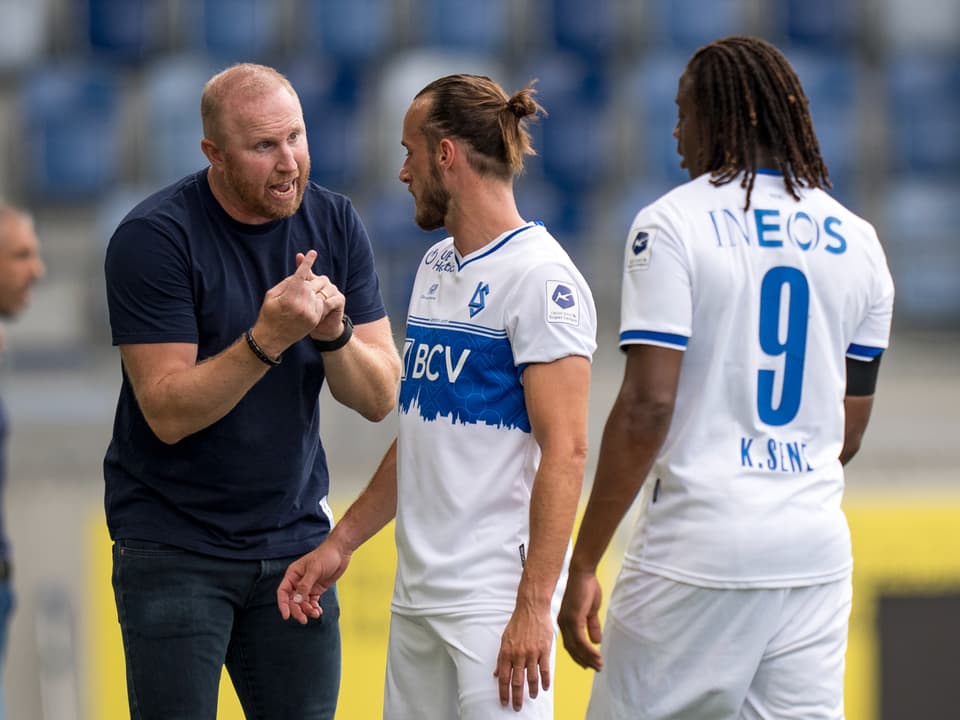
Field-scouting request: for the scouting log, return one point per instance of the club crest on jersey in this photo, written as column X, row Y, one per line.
column 562, row 305
column 638, row 253
column 479, row 300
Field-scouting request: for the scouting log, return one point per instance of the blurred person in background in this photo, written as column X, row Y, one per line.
column 229, row 294
column 20, row 267
column 486, row 472
column 755, row 309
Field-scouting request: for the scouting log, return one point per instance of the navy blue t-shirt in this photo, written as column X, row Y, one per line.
column 179, row 269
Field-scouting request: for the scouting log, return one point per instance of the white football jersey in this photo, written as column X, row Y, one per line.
column 466, row 455
column 767, row 304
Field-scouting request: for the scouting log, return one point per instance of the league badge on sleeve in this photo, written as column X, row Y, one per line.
column 563, row 305
column 638, row 249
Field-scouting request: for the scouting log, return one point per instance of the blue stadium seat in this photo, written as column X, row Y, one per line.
column 351, row 31
column 924, row 107
column 482, row 27
column 172, row 129
column 232, row 30
column 687, row 24
column 821, row 24
column 126, row 30
column 592, row 29
column 561, row 212
column 832, row 81
column 647, row 95
column 919, row 235
column 70, row 130
column 574, row 139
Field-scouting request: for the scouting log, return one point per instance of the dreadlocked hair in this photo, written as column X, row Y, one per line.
column 749, row 97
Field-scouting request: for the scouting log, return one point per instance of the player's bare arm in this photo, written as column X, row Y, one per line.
column 310, row 576
column 635, row 430
column 559, row 424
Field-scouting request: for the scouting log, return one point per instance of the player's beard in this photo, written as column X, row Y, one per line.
column 433, row 203
column 258, row 200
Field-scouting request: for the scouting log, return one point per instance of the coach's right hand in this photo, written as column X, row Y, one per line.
column 580, row 610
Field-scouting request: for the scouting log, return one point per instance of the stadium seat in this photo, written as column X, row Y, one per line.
column 351, row 31
column 172, row 130
column 818, row 24
column 561, row 212
column 481, row 27
column 832, row 82
column 687, row 24
column 924, row 112
column 918, row 25
column 919, row 235
column 25, row 33
column 70, row 132
column 232, row 30
column 126, row 30
column 592, row 29
column 646, row 106
column 573, row 140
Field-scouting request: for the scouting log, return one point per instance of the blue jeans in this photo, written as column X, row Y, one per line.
column 7, row 604
column 183, row 616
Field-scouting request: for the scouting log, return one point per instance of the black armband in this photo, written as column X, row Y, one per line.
column 862, row 376
column 331, row 345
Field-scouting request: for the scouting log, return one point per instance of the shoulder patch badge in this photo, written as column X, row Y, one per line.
column 638, row 251
column 563, row 305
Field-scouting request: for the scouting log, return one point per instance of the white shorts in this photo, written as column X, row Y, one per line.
column 673, row 650
column 441, row 668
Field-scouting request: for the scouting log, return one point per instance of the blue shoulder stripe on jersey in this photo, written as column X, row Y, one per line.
column 864, row 351
column 769, row 171
column 453, row 325
column 500, row 244
column 655, row 338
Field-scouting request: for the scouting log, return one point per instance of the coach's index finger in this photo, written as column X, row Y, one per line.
column 305, row 264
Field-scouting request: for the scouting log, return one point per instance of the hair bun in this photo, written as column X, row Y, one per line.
column 522, row 105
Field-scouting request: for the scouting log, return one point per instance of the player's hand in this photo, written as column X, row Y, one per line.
column 579, row 619
column 524, row 657
column 306, row 579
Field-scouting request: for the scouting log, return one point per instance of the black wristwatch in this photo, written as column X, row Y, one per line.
column 331, row 345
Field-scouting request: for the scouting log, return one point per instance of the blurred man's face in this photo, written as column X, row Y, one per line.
column 20, row 263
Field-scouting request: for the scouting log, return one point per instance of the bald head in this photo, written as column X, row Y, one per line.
column 238, row 84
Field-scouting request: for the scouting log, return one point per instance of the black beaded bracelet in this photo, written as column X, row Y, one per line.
column 258, row 351
column 331, row 345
